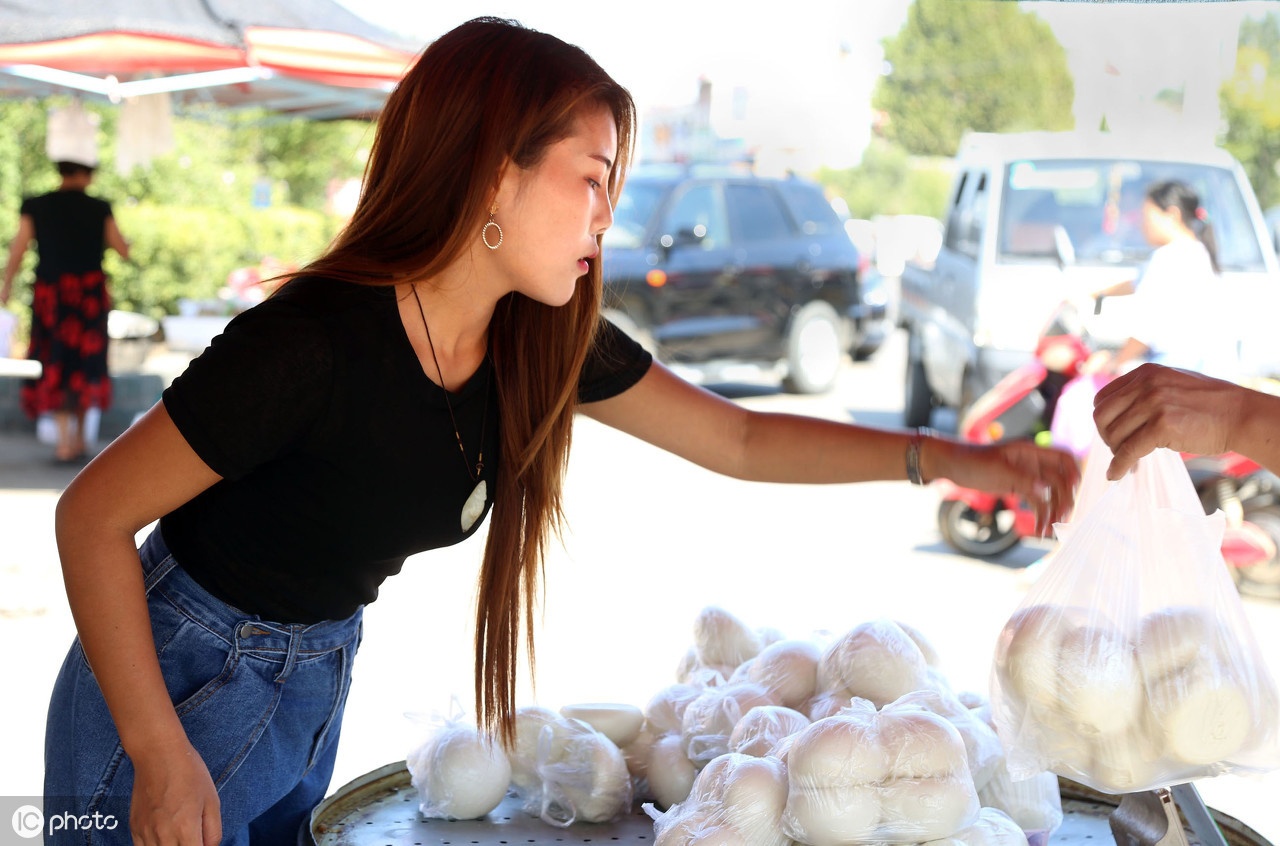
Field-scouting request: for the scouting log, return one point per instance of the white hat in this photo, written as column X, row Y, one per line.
column 72, row 135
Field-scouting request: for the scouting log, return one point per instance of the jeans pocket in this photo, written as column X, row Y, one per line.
column 332, row 725
column 226, row 717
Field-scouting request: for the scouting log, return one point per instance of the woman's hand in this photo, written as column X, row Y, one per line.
column 174, row 800
column 1046, row 478
column 1155, row 406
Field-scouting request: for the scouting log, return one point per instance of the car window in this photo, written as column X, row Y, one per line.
column 755, row 214
column 958, row 220
column 978, row 214
column 633, row 213
column 1099, row 203
column 697, row 212
column 964, row 229
column 811, row 210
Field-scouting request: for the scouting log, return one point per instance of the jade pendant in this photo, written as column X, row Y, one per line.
column 474, row 506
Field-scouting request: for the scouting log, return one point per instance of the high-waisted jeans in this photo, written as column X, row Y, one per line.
column 260, row 701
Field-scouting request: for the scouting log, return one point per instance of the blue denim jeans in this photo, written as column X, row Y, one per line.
column 261, row 702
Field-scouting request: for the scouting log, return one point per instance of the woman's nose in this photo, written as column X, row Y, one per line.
column 604, row 217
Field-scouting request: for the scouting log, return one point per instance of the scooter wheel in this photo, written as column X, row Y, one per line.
column 972, row 532
column 1263, row 579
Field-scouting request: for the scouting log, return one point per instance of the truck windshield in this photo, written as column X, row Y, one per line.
column 1099, row 203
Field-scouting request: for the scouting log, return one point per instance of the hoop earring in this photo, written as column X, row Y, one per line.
column 484, row 233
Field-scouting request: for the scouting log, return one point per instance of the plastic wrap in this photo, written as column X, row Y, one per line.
column 788, row 669
column 1035, row 804
column 670, row 772
column 876, row 660
column 763, row 727
column 1130, row 664
column 709, row 720
column 899, row 775
column 736, row 799
column 722, row 640
column 993, row 828
column 827, row 704
column 577, row 774
column 692, row 671
column 617, row 721
column 664, row 713
column 459, row 773
column 982, row 747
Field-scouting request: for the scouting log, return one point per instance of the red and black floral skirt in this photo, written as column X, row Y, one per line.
column 69, row 339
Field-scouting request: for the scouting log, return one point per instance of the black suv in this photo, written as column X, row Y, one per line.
column 704, row 266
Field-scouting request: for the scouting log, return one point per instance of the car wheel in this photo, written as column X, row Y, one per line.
column 623, row 321
column 814, row 350
column 917, row 406
column 1263, row 579
column 974, row 533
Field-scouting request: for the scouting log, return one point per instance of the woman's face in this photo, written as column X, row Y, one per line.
column 553, row 213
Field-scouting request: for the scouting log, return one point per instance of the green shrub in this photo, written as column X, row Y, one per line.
column 185, row 252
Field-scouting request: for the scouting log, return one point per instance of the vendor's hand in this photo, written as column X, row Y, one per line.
column 1046, row 478
column 1154, row 406
column 174, row 801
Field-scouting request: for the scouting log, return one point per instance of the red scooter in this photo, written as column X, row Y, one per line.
column 1023, row 405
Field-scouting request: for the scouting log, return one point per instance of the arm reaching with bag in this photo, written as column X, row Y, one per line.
column 1156, row 406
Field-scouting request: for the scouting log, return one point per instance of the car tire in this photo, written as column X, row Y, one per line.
column 917, row 406
column 814, row 350
column 624, row 321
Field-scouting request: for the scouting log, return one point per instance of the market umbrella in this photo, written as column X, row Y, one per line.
column 307, row 58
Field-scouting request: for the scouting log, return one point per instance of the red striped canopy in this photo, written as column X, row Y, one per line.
column 311, row 58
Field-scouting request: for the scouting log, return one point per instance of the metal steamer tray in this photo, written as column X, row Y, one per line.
column 381, row 809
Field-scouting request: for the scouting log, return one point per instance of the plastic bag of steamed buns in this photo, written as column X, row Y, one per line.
column 560, row 767
column 1130, row 665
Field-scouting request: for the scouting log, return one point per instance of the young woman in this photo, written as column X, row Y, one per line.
column 1176, row 294
column 69, row 303
column 424, row 371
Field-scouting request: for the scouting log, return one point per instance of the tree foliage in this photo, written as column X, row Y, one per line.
column 977, row 65
column 1250, row 104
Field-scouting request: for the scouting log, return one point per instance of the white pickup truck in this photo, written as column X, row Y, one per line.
column 976, row 312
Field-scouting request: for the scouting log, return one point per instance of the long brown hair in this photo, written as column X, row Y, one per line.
column 488, row 92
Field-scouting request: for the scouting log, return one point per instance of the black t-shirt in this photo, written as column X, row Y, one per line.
column 337, row 453
column 70, row 232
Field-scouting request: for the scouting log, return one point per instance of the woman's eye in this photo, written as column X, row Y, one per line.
column 593, row 183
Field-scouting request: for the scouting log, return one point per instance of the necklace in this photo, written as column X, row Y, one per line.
column 474, row 506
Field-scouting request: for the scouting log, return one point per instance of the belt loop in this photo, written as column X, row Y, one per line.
column 291, row 657
column 162, row 569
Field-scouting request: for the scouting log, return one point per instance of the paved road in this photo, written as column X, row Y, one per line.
column 651, row 541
